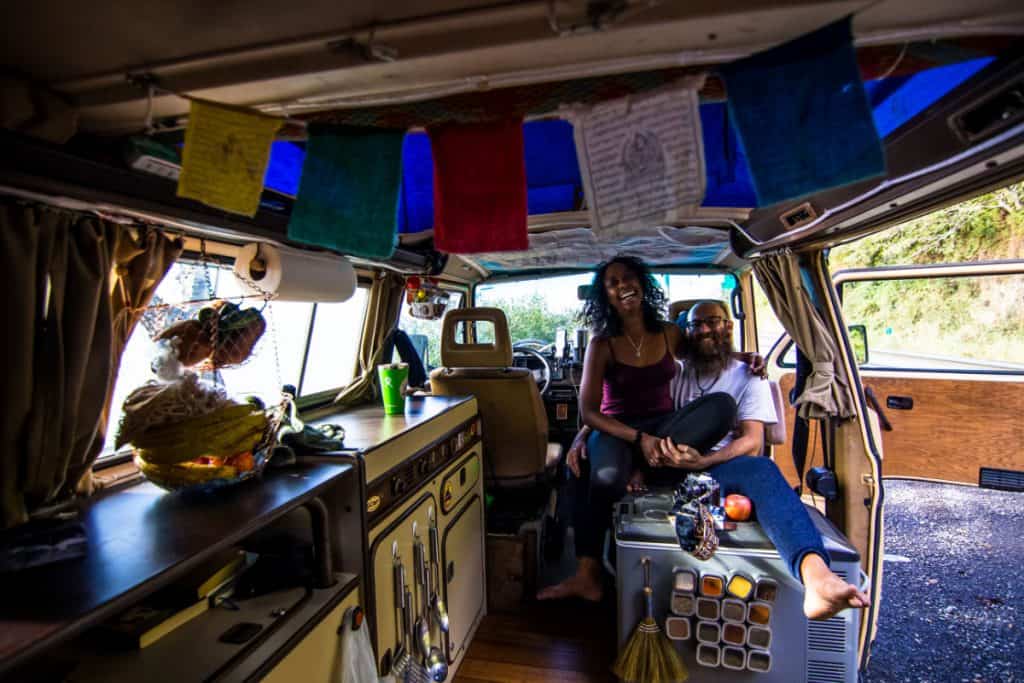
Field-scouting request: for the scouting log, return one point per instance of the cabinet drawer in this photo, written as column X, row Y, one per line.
column 463, row 558
column 317, row 657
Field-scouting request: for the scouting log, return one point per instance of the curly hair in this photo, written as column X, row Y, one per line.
column 598, row 313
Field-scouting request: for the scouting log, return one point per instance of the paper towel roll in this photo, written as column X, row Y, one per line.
column 294, row 275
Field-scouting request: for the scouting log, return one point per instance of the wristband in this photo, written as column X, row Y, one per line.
column 638, row 437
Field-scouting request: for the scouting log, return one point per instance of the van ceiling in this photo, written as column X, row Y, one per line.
column 344, row 58
column 336, row 54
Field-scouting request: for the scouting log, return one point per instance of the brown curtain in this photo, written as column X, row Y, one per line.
column 140, row 263
column 386, row 297
column 826, row 392
column 60, row 351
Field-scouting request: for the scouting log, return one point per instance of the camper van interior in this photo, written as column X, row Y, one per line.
column 305, row 326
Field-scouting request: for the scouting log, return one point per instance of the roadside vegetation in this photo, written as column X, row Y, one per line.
column 969, row 317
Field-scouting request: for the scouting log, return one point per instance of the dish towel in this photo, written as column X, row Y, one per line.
column 348, row 193
column 479, row 187
column 225, row 157
column 803, row 116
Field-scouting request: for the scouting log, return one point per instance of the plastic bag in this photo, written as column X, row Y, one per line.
column 357, row 659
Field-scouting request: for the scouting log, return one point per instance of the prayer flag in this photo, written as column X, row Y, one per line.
column 803, row 117
column 479, row 187
column 225, row 157
column 642, row 158
column 348, row 192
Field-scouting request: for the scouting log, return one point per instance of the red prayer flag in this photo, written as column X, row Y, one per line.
column 479, row 187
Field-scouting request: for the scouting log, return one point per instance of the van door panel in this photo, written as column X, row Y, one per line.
column 954, row 400
column 954, row 427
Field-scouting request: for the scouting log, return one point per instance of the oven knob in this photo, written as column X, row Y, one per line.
column 397, row 486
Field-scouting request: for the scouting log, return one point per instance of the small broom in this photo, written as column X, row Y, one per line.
column 649, row 656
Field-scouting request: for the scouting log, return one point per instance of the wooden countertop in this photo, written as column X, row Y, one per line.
column 141, row 538
column 368, row 427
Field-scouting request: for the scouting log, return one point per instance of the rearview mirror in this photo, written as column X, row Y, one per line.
column 583, row 292
column 859, row 341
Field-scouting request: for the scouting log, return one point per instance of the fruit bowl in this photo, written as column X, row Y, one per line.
column 213, row 462
column 197, row 476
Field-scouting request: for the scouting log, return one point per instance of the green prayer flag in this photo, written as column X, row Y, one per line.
column 348, row 192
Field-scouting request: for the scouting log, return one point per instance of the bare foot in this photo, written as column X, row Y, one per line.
column 636, row 483
column 825, row 594
column 585, row 583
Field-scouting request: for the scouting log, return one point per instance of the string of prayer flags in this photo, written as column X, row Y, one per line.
column 642, row 158
column 348, row 192
column 803, row 117
column 479, row 187
column 225, row 157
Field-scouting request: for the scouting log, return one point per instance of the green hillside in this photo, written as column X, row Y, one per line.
column 967, row 317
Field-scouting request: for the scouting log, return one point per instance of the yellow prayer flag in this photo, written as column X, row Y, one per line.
column 226, row 155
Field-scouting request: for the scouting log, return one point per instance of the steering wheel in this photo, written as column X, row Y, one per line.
column 543, row 375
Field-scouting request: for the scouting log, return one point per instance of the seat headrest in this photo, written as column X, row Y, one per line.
column 677, row 308
column 487, row 355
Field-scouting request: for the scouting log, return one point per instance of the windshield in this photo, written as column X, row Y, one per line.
column 537, row 308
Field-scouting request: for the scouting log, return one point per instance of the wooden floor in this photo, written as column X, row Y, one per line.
column 559, row 642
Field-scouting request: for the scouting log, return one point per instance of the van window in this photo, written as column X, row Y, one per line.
column 769, row 329
column 278, row 357
column 333, row 344
column 426, row 334
column 537, row 308
column 966, row 323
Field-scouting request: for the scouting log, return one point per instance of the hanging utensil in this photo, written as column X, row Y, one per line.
column 422, row 628
column 401, row 658
column 415, row 671
column 437, row 604
column 437, row 667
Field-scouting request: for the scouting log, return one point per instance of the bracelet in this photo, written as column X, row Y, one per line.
column 636, row 439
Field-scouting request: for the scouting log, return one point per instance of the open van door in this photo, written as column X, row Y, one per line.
column 946, row 379
column 942, row 388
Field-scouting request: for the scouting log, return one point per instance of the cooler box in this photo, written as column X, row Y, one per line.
column 761, row 637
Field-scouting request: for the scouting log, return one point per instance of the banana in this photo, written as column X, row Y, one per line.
column 183, row 474
column 178, row 431
column 219, row 439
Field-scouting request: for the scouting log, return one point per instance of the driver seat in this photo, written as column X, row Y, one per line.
column 515, row 423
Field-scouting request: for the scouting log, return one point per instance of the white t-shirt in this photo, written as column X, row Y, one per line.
column 752, row 394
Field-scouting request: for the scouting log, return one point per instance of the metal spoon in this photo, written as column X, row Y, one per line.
column 437, row 667
column 421, row 630
column 437, row 602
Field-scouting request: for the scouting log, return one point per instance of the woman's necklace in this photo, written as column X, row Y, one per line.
column 636, row 347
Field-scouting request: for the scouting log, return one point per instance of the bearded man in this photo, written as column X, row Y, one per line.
column 710, row 366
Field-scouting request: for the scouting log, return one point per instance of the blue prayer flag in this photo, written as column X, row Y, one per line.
column 803, row 117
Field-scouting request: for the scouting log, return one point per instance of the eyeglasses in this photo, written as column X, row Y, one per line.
column 713, row 322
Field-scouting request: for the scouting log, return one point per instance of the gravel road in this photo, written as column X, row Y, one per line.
column 953, row 596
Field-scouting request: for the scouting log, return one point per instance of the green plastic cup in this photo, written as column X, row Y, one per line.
column 394, row 377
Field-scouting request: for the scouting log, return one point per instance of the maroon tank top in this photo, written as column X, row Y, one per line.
column 630, row 391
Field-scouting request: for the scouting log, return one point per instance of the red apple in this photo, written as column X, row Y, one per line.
column 738, row 507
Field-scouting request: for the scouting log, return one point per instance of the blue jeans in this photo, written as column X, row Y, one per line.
column 779, row 511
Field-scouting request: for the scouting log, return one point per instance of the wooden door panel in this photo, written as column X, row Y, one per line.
column 956, row 426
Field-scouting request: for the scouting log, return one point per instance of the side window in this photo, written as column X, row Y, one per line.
column 426, row 334
column 969, row 323
column 278, row 357
column 333, row 344
column 769, row 329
